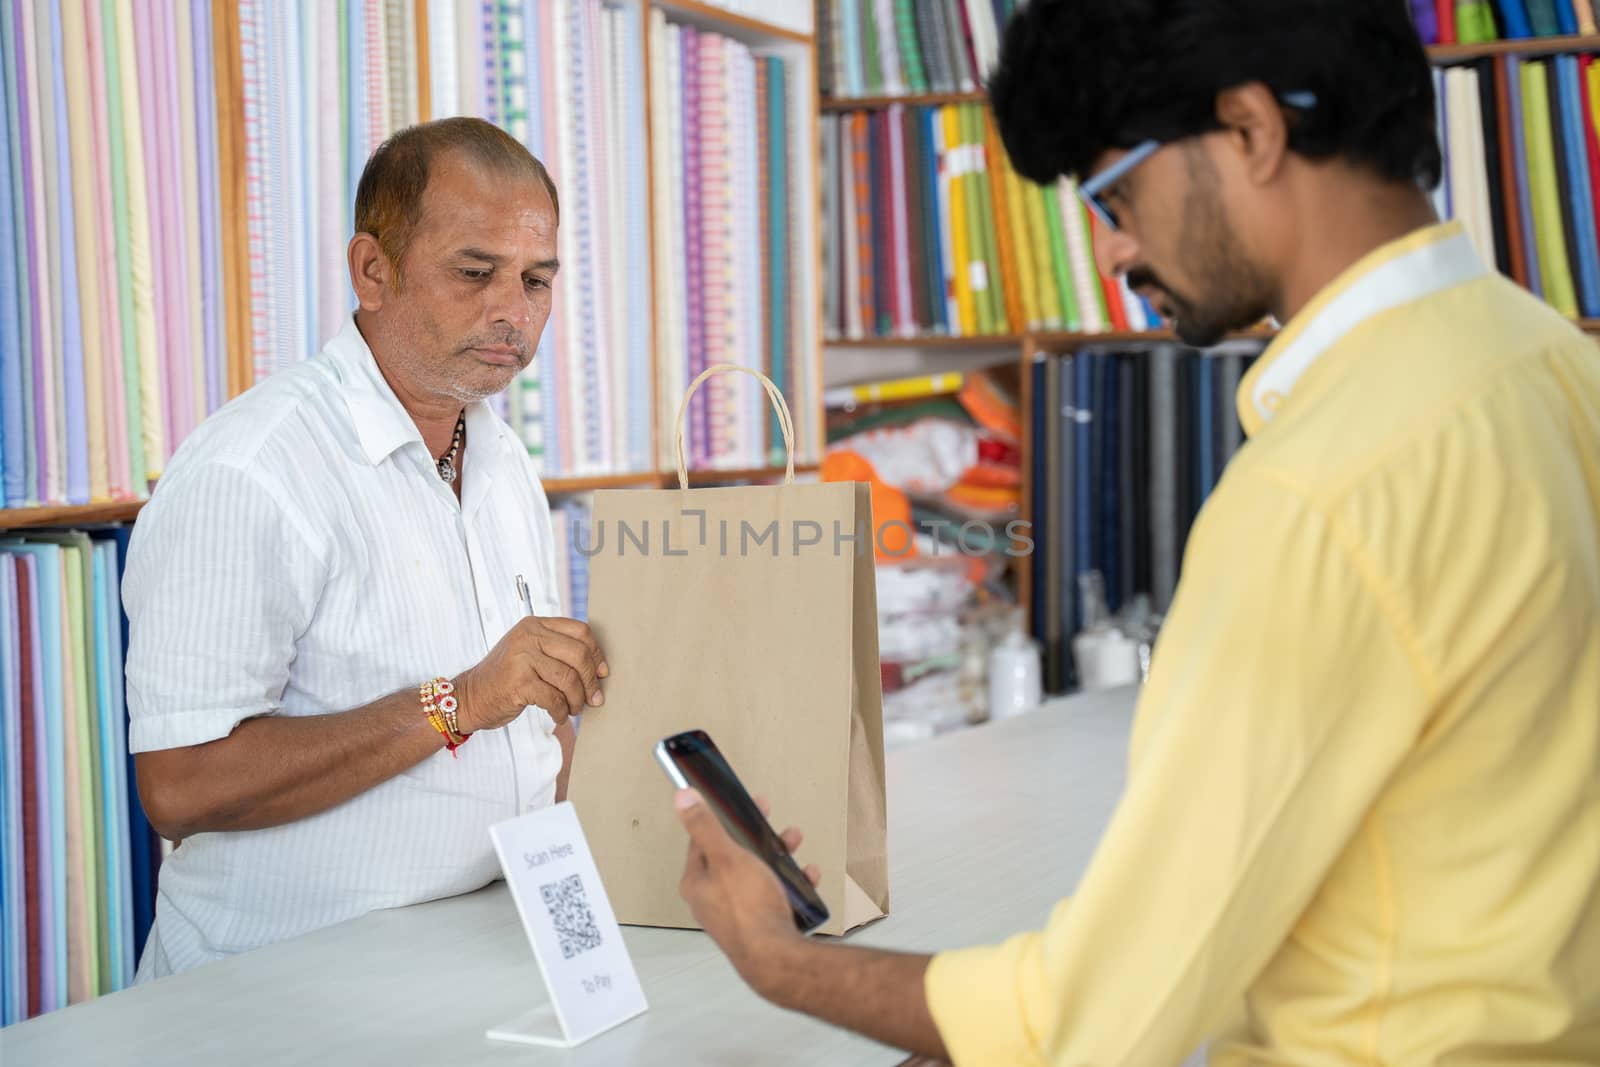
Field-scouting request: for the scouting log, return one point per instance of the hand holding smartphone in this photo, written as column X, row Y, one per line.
column 693, row 761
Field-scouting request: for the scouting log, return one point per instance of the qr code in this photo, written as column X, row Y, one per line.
column 569, row 910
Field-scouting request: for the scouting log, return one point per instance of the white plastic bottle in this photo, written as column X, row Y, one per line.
column 1015, row 686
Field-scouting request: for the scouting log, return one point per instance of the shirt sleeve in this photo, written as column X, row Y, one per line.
column 1286, row 689
column 220, row 584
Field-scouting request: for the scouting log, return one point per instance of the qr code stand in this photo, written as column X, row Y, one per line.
column 568, row 905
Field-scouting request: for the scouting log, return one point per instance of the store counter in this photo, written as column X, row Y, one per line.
column 988, row 829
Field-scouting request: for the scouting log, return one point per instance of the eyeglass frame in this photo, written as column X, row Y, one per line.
column 1089, row 191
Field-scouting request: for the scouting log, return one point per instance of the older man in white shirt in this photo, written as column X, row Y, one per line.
column 333, row 685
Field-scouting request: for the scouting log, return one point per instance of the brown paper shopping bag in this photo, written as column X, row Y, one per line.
column 750, row 613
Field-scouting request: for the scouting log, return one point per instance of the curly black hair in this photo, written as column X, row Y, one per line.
column 1079, row 77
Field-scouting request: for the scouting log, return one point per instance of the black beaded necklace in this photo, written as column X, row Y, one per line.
column 447, row 462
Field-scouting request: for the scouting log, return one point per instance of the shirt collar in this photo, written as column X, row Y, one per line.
column 382, row 423
column 1418, row 265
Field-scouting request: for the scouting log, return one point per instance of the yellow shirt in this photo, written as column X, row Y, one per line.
column 1364, row 790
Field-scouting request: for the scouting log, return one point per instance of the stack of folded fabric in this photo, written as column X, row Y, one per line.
column 941, row 455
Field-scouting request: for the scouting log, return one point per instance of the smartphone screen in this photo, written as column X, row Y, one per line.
column 693, row 761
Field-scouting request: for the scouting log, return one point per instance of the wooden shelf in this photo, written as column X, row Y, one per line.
column 737, row 25
column 669, row 479
column 1058, row 341
column 929, row 341
column 874, row 103
column 127, row 511
column 1444, row 53
column 553, row 486
column 1043, row 339
column 1527, row 46
column 68, row 515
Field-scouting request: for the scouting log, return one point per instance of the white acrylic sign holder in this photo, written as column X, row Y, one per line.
column 569, row 922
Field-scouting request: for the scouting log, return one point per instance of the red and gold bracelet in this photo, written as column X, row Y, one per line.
column 440, row 705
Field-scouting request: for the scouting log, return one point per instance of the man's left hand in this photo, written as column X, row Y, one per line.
column 741, row 904
column 734, row 896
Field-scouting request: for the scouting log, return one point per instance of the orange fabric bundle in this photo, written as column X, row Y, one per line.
column 890, row 507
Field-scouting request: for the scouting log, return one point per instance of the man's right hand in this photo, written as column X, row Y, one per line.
column 554, row 663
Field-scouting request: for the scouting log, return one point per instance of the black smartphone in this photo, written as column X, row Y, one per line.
column 693, row 761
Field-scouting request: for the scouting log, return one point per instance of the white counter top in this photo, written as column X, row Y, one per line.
column 988, row 829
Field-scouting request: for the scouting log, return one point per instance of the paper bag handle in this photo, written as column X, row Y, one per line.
column 773, row 394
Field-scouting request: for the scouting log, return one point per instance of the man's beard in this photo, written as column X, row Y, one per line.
column 1236, row 293
column 468, row 392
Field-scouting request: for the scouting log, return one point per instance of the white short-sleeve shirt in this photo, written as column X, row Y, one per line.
column 301, row 556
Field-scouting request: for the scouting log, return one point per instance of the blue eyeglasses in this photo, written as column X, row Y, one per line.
column 1098, row 183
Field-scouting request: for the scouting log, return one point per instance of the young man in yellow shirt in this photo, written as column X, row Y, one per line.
column 1364, row 798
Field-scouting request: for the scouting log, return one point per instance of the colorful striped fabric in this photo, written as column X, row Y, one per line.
column 889, row 47
column 14, row 465
column 939, row 236
column 177, row 206
column 77, row 859
column 636, row 239
column 723, row 226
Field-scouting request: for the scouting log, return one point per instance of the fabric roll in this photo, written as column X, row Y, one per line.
column 851, row 321
column 19, row 159
column 14, row 405
column 377, row 70
column 316, row 259
column 295, row 336
column 190, row 303
column 553, row 382
column 594, row 381
column 53, row 843
column 252, row 50
column 678, row 369
column 75, row 401
column 232, row 194
column 443, row 92
column 1164, row 445
column 80, row 944
column 30, row 757
column 570, row 340
column 42, row 313
column 664, row 190
column 141, row 256
column 113, row 370
column 468, row 41
column 636, row 135
column 37, row 852
column 154, row 64
column 14, row 919
column 86, row 248
column 131, row 424
column 208, row 221
column 176, row 277
column 1519, row 142
column 333, row 212
column 610, row 388
column 282, row 159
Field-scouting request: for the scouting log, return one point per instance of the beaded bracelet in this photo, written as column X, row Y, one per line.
column 440, row 705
